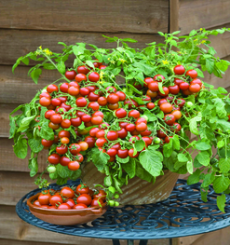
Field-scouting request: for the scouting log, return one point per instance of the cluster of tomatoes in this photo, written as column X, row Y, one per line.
column 70, row 198
column 82, row 102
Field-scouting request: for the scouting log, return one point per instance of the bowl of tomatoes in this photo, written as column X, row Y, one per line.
column 69, row 205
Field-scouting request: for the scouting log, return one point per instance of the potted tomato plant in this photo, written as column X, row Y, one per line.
column 121, row 118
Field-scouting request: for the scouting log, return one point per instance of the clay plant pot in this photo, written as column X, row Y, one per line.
column 137, row 191
column 66, row 217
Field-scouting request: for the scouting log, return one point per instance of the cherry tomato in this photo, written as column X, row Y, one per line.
column 64, row 206
column 52, row 88
column 146, row 132
column 56, row 102
column 60, row 110
column 180, row 102
column 52, row 207
column 51, row 107
column 141, row 119
column 112, row 98
column 79, row 206
column 179, row 70
column 44, row 206
column 80, row 77
column 161, row 134
column 85, row 199
column 75, row 121
column 90, row 141
column 166, row 107
column 120, row 113
column 53, row 125
column 56, row 199
column 167, row 139
column 61, row 149
column 93, row 131
column 64, row 105
column 177, row 114
column 100, row 194
column 102, row 101
column 84, row 146
column 96, row 120
column 151, row 94
column 113, row 106
column 194, row 88
column 45, row 94
column 161, row 101
column 74, row 148
column 37, row 203
column 112, row 135
column 79, row 157
column 111, row 89
column 74, row 165
column 122, row 133
column 44, row 198
column 130, row 127
column 176, row 127
column 98, row 113
column 147, row 140
column 65, row 140
column 83, row 69
column 64, row 161
column 131, row 152
column 101, row 141
column 147, row 81
column 112, row 152
column 54, row 158
column 86, row 118
column 95, row 202
column 186, row 92
column 178, row 81
column 122, row 153
column 84, row 91
column 121, row 95
column 70, row 74
column 174, row 89
column 82, row 189
column 45, row 101
column 191, row 73
column 166, row 92
column 131, row 103
column 73, row 90
column 70, row 202
column 158, row 78
column 134, row 113
column 66, row 123
column 140, row 127
column 64, row 87
column 94, row 106
column 81, row 102
column 153, row 86
column 102, row 67
column 94, row 77
column 117, row 146
column 47, row 143
column 196, row 81
column 169, row 119
column 56, row 118
column 93, row 97
column 184, row 86
column 67, row 192
column 64, row 133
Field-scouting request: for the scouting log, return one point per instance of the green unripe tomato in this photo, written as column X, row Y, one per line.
column 116, row 196
column 189, row 104
column 157, row 140
column 116, row 204
column 51, row 169
column 111, row 203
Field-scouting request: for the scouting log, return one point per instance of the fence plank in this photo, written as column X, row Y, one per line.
column 138, row 16
column 194, row 14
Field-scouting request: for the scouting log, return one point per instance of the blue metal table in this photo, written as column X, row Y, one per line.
column 182, row 214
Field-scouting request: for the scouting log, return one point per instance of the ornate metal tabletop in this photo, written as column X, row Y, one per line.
column 182, row 214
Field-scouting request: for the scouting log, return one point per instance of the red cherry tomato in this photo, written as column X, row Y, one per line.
column 121, row 113
column 95, row 202
column 61, row 149
column 83, row 69
column 47, row 143
column 166, row 92
column 64, row 87
column 184, row 86
column 112, row 135
column 158, row 78
column 179, row 70
column 180, row 102
column 112, row 98
column 178, row 81
column 45, row 94
column 85, row 199
column 56, row 102
column 64, row 161
column 80, row 77
column 44, row 101
column 140, row 127
column 70, row 74
column 130, row 127
column 134, row 113
column 194, row 88
column 161, row 134
column 90, row 141
column 56, row 118
column 54, row 158
column 102, row 101
column 112, row 152
column 96, row 120
column 66, row 123
column 67, row 192
column 82, row 189
column 122, row 133
column 169, row 119
column 174, row 89
column 56, row 199
column 94, row 106
column 131, row 153
column 94, row 77
column 100, row 194
column 192, row 73
column 52, row 88
column 79, row 206
column 44, row 198
column 117, row 146
column 131, row 103
column 122, row 95
column 122, row 153
column 64, row 206
column 101, row 141
column 166, row 107
column 153, row 86
column 147, row 81
column 81, row 102
column 74, row 165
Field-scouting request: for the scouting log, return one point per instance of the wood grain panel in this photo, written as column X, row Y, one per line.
column 16, row 43
column 194, row 14
column 138, row 16
column 9, row 161
column 13, row 228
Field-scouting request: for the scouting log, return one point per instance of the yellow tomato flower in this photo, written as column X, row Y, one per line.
column 203, row 41
column 47, row 51
column 122, row 60
column 201, row 29
column 165, row 62
column 40, row 47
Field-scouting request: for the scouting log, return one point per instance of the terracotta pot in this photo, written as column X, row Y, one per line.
column 66, row 217
column 137, row 191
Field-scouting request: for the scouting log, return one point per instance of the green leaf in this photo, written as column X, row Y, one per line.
column 151, row 161
column 35, row 74
column 33, row 166
column 182, row 157
column 192, row 33
column 194, row 178
column 168, row 149
column 89, row 63
column 189, row 167
column 20, row 148
column 139, row 145
column 12, row 127
column 63, row 171
column 100, row 159
column 49, row 66
column 75, row 174
column 176, row 142
column 202, row 146
column 221, row 200
column 220, row 144
column 208, row 179
column 203, row 158
column 210, row 63
column 220, row 184
column 193, row 124
column 224, row 165
column 61, row 66
column 204, row 195
column 199, row 72
column 130, row 168
column 122, row 160
column 130, row 40
column 35, row 145
column 142, row 173
column 77, row 50
column 108, row 181
column 25, row 122
column 46, row 132
column 224, row 125
column 151, row 116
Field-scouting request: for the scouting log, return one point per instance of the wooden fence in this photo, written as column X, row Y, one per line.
column 25, row 25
